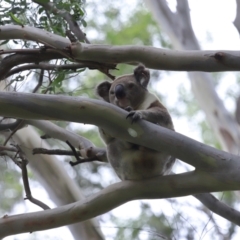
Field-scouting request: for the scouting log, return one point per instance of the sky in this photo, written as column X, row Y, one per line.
column 212, row 23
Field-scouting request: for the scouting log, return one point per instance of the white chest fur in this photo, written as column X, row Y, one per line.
column 149, row 99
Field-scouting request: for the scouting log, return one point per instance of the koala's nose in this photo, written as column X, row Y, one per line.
column 120, row 91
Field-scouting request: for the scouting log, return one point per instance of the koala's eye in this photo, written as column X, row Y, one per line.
column 111, row 92
column 131, row 85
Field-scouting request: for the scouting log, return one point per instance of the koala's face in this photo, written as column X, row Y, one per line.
column 126, row 91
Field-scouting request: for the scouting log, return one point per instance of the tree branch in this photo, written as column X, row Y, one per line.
column 16, row 59
column 219, row 207
column 107, row 199
column 152, row 57
column 206, row 198
column 86, row 147
column 73, row 25
column 183, row 37
column 29, row 196
column 52, row 174
column 112, row 119
column 47, row 66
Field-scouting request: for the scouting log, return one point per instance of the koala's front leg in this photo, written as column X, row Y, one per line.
column 136, row 115
column 155, row 115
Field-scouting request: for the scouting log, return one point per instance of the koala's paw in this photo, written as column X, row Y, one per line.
column 128, row 109
column 135, row 116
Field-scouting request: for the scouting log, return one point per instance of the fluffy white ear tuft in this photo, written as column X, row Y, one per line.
column 142, row 75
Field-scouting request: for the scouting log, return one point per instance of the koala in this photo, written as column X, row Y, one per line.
column 131, row 161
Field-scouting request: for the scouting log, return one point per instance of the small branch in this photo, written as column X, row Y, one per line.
column 10, row 149
column 87, row 149
column 40, row 81
column 219, row 207
column 63, row 153
column 73, row 25
column 23, row 166
column 10, row 126
column 27, row 187
column 80, row 161
column 54, row 152
column 16, row 59
column 20, row 125
column 46, row 66
column 71, row 36
column 73, row 151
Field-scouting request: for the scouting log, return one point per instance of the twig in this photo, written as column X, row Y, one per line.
column 79, row 160
column 73, row 25
column 40, row 81
column 73, row 150
column 11, row 149
column 23, row 166
column 10, row 126
column 54, row 152
column 21, row 123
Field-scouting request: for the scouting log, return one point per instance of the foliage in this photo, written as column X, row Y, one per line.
column 26, row 12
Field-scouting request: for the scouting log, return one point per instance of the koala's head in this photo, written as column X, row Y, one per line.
column 126, row 91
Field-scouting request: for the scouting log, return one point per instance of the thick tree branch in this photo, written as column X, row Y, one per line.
column 112, row 119
column 52, row 174
column 152, row 57
column 183, row 37
column 206, row 198
column 109, row 198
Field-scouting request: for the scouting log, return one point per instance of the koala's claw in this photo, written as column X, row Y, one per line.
column 134, row 115
column 128, row 109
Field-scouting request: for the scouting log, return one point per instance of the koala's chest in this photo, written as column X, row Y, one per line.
column 133, row 162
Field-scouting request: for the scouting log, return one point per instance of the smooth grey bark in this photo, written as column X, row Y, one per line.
column 51, row 173
column 156, row 58
column 53, row 176
column 178, row 27
column 112, row 119
column 215, row 170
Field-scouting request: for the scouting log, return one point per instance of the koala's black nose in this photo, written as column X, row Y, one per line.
column 120, row 91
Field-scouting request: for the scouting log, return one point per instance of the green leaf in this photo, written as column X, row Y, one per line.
column 58, row 80
column 84, row 23
column 15, row 19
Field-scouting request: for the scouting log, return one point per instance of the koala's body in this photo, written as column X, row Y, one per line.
column 131, row 161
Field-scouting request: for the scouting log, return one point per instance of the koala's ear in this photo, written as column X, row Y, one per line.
column 103, row 90
column 142, row 75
